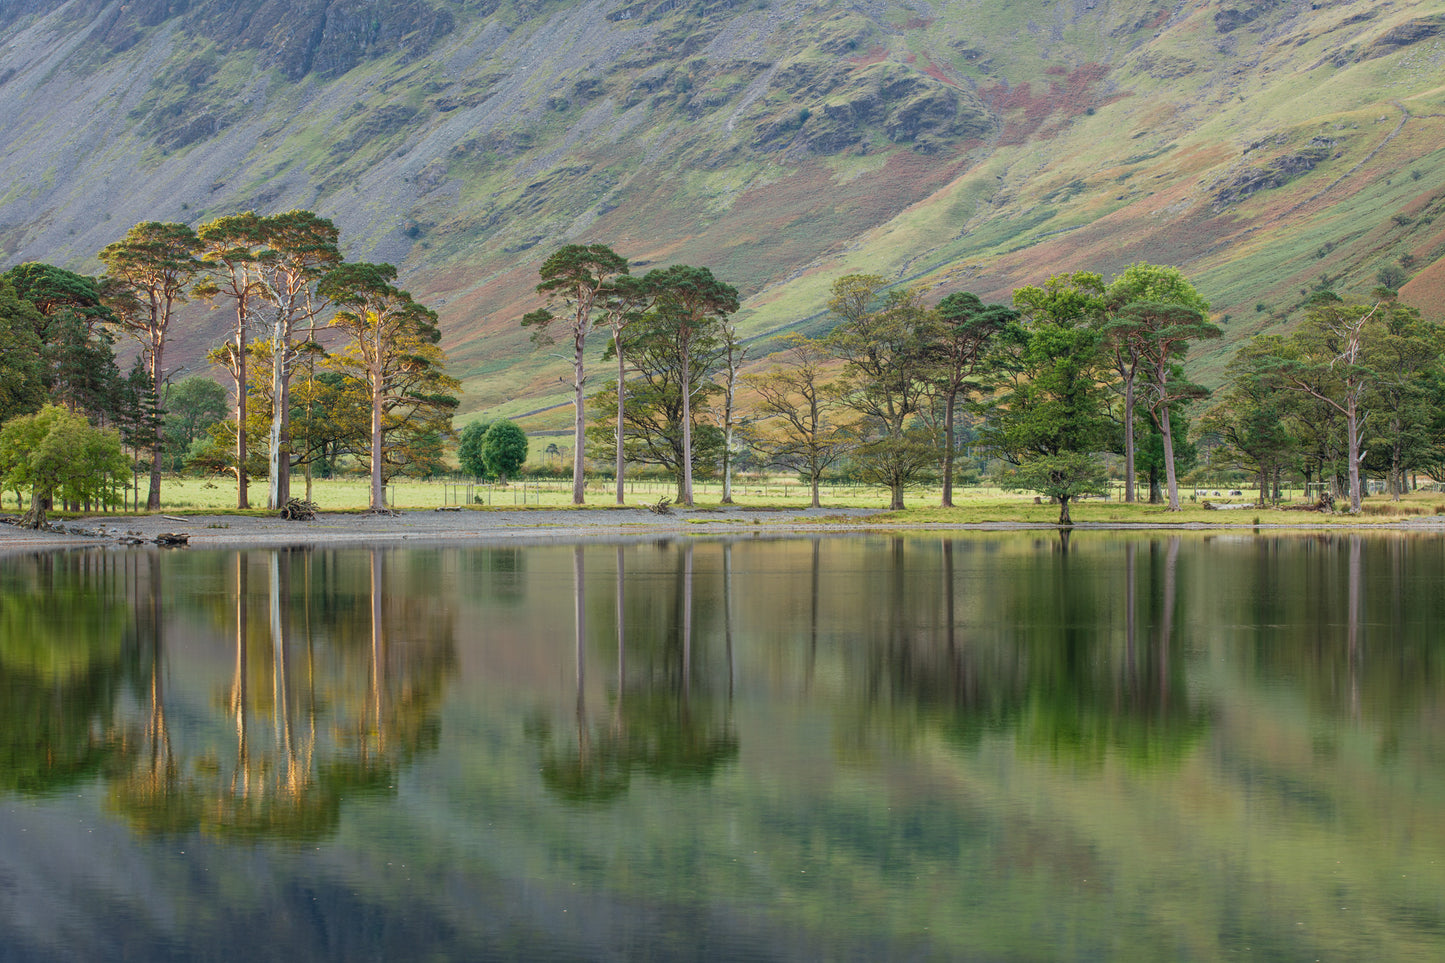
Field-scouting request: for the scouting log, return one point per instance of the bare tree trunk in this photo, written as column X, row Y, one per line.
column 947, row 501
column 685, row 495
column 579, row 437
column 621, row 395
column 1129, row 494
column 242, row 500
column 279, row 483
column 378, row 454
column 1170, row 479
column 153, row 499
column 1352, row 430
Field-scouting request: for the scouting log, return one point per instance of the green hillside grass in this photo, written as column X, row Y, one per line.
column 700, row 134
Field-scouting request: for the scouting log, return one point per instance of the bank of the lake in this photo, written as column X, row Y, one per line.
column 569, row 524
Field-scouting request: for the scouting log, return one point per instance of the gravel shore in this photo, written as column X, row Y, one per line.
column 475, row 525
column 548, row 525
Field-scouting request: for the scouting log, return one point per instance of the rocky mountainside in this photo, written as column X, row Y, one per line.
column 1266, row 147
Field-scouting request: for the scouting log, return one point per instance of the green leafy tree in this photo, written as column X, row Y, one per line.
column 886, row 342
column 76, row 350
column 148, row 274
column 55, row 453
column 684, row 331
column 577, row 280
column 1047, row 416
column 390, row 347
column 1404, row 353
column 504, row 449
column 138, row 417
column 1328, row 363
column 192, row 406
column 470, row 451
column 1129, row 347
column 22, row 389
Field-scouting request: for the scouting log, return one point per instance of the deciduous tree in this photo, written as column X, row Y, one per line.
column 796, row 428
column 1047, row 414
column 504, row 449
column 55, row 453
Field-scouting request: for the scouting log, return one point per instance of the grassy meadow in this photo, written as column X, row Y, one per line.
column 973, row 505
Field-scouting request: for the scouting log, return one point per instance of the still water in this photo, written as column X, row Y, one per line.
column 999, row 747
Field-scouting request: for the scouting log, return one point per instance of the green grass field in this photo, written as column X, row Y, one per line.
column 973, row 505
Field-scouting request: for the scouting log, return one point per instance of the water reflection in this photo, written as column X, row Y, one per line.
column 1000, row 747
column 314, row 709
column 65, row 660
column 655, row 725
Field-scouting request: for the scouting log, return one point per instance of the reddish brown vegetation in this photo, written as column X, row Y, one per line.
column 1025, row 114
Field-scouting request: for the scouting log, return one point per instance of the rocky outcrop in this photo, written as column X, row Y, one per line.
column 1247, row 181
column 1423, row 28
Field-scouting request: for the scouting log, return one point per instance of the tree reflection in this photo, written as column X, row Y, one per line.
column 64, row 659
column 662, row 724
column 306, row 733
column 1041, row 656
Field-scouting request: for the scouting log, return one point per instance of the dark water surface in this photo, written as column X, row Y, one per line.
column 996, row 747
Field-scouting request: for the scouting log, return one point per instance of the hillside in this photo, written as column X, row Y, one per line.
column 1263, row 147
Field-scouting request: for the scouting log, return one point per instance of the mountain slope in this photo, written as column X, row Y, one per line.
column 961, row 144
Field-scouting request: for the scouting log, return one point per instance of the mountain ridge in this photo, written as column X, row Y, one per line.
column 952, row 144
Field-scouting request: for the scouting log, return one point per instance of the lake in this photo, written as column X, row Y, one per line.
column 988, row 747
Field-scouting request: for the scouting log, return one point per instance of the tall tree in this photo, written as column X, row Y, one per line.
column 964, row 334
column 1249, row 423
column 1047, row 415
column 796, row 428
column 653, row 411
column 1133, row 347
column 1331, row 367
column 1164, row 333
column 391, row 348
column 76, row 353
column 576, row 279
column 885, row 341
column 629, row 299
column 298, row 248
column 230, row 251
column 1404, row 353
column 734, row 353
column 148, row 273
column 689, row 308
column 22, row 388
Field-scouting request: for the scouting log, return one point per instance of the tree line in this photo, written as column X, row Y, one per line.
column 324, row 357
column 897, row 391
column 895, row 388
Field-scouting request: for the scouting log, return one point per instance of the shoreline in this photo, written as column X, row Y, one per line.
column 571, row 524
